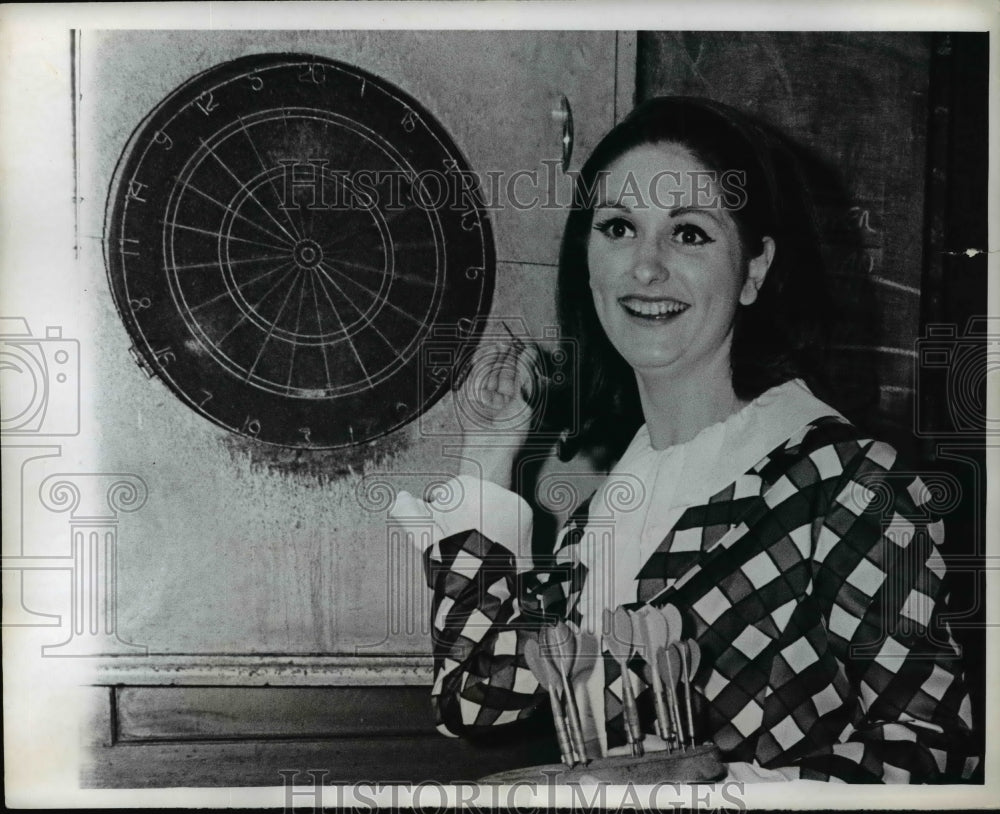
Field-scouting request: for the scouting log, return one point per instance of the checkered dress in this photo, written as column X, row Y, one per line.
column 814, row 591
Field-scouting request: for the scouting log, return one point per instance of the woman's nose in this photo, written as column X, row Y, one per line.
column 651, row 261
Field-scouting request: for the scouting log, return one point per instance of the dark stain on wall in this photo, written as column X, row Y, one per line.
column 315, row 467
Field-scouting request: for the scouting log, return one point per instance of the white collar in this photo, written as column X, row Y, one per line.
column 723, row 451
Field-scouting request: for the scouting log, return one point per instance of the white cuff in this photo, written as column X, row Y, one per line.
column 464, row 503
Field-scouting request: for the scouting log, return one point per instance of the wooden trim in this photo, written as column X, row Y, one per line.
column 160, row 714
column 350, row 760
column 260, row 670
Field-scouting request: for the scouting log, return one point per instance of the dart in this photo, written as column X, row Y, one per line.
column 547, row 676
column 691, row 669
column 653, row 633
column 560, row 646
column 672, row 666
column 618, row 640
column 682, row 652
column 518, row 343
column 675, row 624
column 671, row 662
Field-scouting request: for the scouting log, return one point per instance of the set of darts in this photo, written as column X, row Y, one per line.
column 669, row 664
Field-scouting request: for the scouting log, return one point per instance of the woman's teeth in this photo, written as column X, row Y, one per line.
column 654, row 308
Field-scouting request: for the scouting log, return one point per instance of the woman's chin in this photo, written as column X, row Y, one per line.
column 653, row 364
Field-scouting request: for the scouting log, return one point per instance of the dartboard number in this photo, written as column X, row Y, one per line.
column 313, row 73
column 206, row 103
column 135, row 189
column 164, row 356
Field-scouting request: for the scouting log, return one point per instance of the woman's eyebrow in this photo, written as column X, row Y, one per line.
column 611, row 205
column 697, row 210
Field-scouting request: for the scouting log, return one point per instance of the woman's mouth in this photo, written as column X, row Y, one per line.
column 658, row 310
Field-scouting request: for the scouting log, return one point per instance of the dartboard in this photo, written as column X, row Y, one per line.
column 284, row 235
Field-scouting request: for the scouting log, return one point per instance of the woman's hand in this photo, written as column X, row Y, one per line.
column 495, row 403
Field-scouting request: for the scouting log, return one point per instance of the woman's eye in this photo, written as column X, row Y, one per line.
column 691, row 235
column 615, row 228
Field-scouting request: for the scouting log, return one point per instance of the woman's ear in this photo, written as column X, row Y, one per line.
column 756, row 272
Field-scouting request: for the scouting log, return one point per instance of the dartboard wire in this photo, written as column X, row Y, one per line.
column 228, row 293
column 354, row 154
column 270, row 330
column 247, row 189
column 232, row 211
column 343, row 327
column 413, row 279
column 361, row 266
column 174, row 224
column 319, row 322
column 312, row 221
column 288, row 140
column 225, row 336
column 388, row 216
column 420, row 244
column 369, row 323
column 346, row 236
column 215, row 263
column 406, row 278
column 298, row 324
column 265, row 170
column 326, row 140
column 397, row 275
column 375, row 294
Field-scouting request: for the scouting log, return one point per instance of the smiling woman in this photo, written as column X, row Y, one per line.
column 715, row 177
column 666, row 283
column 795, row 558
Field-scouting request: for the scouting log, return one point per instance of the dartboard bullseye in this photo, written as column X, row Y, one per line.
column 283, row 233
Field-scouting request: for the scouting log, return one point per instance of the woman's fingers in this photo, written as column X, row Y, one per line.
column 502, row 376
column 506, row 383
column 492, row 370
column 529, row 369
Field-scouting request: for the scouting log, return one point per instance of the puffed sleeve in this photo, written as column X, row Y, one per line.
column 878, row 574
column 486, row 604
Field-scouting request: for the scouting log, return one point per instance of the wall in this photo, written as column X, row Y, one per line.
column 243, row 548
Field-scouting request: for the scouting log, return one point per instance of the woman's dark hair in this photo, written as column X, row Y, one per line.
column 781, row 336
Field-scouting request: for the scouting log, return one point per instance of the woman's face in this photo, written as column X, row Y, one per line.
column 667, row 269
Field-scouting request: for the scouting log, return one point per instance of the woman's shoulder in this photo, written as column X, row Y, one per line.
column 824, row 448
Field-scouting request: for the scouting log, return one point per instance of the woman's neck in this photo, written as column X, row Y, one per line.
column 677, row 408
